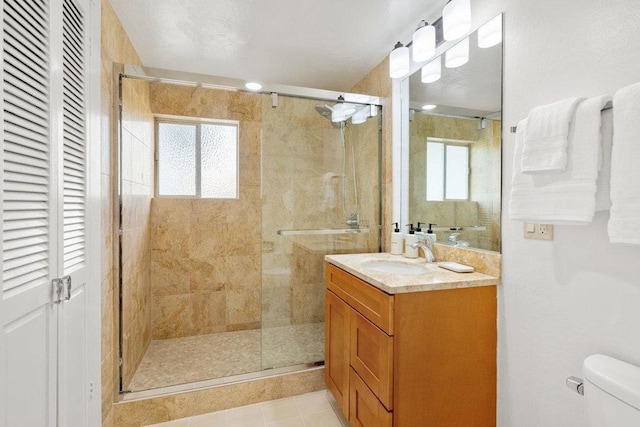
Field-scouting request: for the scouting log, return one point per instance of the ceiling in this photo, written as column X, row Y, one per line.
column 323, row 44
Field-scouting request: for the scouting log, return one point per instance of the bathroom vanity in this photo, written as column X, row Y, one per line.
column 406, row 350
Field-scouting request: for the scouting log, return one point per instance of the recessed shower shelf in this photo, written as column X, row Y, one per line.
column 322, row 231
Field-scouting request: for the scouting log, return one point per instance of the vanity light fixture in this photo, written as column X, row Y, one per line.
column 458, row 55
column 428, row 107
column 432, row 71
column 253, row 86
column 423, row 42
column 490, row 34
column 456, row 19
column 399, row 61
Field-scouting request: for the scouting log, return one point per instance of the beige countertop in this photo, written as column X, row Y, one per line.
column 434, row 278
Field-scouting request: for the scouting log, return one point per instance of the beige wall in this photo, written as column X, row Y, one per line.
column 483, row 208
column 206, row 253
column 378, row 83
column 116, row 48
column 137, row 192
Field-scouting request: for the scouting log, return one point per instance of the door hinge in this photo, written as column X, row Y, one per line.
column 61, row 289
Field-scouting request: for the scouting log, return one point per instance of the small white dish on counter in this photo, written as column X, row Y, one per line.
column 454, row 266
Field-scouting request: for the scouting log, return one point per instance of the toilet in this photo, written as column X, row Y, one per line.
column 612, row 392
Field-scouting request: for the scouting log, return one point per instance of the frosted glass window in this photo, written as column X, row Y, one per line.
column 457, row 172
column 447, row 171
column 219, row 162
column 197, row 160
column 435, row 171
column 176, row 159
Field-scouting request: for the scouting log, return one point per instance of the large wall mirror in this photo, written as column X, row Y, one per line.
column 451, row 143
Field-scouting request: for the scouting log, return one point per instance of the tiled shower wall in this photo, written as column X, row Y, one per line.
column 206, row 253
column 483, row 208
column 137, row 193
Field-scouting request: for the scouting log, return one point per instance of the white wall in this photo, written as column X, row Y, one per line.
column 563, row 300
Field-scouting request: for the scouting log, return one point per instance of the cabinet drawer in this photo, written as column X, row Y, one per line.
column 372, row 303
column 364, row 408
column 371, row 356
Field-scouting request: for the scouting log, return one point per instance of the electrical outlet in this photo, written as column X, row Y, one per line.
column 538, row 231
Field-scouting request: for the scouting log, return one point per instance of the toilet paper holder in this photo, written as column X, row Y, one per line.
column 576, row 384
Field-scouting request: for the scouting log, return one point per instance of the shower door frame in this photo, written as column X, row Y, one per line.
column 134, row 72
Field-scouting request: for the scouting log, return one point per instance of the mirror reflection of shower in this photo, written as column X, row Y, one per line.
column 339, row 115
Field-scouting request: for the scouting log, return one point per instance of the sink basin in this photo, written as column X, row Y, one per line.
column 394, row 267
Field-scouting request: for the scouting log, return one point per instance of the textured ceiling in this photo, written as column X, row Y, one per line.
column 325, row 44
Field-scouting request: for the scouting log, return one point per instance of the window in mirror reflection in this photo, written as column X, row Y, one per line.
column 447, row 170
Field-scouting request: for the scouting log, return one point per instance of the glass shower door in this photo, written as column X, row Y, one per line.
column 320, row 190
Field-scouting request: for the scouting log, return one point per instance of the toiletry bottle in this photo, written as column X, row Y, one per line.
column 397, row 240
column 419, row 231
column 430, row 234
column 410, row 239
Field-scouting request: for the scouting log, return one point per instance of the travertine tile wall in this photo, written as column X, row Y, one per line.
column 378, row 83
column 137, row 192
column 116, row 49
column 484, row 206
column 206, row 253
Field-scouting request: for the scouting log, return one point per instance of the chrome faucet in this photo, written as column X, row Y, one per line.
column 426, row 248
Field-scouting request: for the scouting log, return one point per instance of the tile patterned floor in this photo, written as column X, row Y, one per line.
column 317, row 409
column 185, row 360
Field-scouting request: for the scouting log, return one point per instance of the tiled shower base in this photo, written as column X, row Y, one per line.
column 204, row 357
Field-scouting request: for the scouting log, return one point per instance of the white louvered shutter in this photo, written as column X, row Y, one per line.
column 74, row 137
column 72, row 362
column 28, row 353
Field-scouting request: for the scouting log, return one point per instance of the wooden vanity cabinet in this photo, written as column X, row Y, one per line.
column 423, row 358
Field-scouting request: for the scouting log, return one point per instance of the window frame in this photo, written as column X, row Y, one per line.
column 197, row 122
column 448, row 142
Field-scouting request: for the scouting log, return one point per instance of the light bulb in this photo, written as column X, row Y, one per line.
column 458, row 55
column 432, row 71
column 399, row 61
column 424, row 42
column 490, row 34
column 254, row 86
column 428, row 107
column 456, row 19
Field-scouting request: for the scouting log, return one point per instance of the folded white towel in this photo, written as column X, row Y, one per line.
column 624, row 222
column 545, row 142
column 603, row 194
column 568, row 197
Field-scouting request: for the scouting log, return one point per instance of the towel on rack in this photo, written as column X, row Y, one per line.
column 624, row 222
column 568, row 197
column 545, row 142
column 603, row 194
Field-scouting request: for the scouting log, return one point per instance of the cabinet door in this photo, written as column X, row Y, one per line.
column 336, row 367
column 372, row 357
column 364, row 408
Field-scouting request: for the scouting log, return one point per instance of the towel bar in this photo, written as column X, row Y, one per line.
column 607, row 106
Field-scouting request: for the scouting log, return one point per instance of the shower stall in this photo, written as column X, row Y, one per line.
column 218, row 286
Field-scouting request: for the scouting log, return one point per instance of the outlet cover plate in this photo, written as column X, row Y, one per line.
column 537, row 231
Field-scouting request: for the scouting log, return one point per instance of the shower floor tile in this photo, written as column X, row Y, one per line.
column 204, row 357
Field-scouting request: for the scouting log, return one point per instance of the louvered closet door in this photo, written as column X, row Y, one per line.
column 28, row 316
column 73, row 383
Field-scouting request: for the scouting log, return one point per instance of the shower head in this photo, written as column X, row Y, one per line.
column 324, row 110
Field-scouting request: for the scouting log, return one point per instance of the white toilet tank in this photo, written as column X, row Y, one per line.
column 612, row 392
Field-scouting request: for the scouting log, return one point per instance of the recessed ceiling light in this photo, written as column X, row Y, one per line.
column 428, row 106
column 253, row 85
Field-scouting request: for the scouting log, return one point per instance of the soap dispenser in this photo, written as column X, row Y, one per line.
column 410, row 239
column 396, row 240
column 430, row 234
